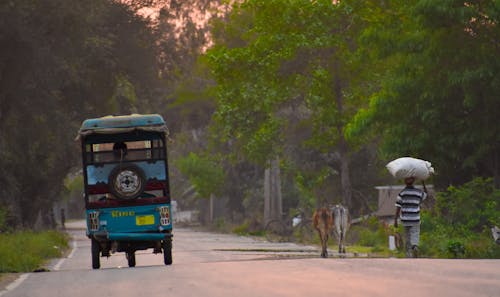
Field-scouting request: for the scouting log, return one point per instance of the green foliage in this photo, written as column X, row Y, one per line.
column 26, row 251
column 440, row 68
column 309, row 185
column 459, row 225
column 241, row 229
column 257, row 148
column 124, row 89
column 3, row 219
column 73, row 184
column 204, row 173
column 287, row 53
column 61, row 62
column 220, row 224
column 455, row 249
column 471, row 207
column 247, row 229
column 289, row 78
column 372, row 236
column 371, row 233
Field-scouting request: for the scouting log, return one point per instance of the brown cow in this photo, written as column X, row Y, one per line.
column 323, row 222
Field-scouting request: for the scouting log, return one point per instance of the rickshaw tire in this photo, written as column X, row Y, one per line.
column 96, row 249
column 167, row 251
column 117, row 170
column 131, row 259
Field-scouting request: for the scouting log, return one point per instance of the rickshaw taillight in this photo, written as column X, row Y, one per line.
column 164, row 215
column 93, row 219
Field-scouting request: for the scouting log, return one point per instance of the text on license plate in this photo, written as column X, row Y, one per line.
column 145, row 220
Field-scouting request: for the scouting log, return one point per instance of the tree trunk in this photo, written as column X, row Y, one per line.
column 211, row 209
column 272, row 192
column 267, row 196
column 277, row 209
column 345, row 179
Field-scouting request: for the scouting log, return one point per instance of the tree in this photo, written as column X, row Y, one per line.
column 204, row 173
column 281, row 63
column 439, row 97
column 61, row 62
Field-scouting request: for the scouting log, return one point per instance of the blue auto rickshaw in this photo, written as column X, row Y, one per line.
column 126, row 186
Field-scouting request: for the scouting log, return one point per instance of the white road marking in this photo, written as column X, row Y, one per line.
column 15, row 284
column 74, row 245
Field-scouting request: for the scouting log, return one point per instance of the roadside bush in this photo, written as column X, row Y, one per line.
column 371, row 233
column 241, row 229
column 3, row 219
column 459, row 225
column 371, row 238
column 26, row 251
column 455, row 249
column 248, row 228
column 220, row 224
column 471, row 207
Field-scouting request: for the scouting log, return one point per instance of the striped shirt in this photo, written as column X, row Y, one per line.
column 409, row 200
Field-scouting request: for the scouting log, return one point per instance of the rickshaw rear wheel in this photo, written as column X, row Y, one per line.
column 96, row 249
column 131, row 259
column 167, row 251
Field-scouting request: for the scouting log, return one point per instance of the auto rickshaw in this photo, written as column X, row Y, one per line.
column 126, row 186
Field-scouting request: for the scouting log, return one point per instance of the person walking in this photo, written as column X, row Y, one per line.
column 408, row 211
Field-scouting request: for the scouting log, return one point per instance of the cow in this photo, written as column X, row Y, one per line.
column 323, row 223
column 341, row 220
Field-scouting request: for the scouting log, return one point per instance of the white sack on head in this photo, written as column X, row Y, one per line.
column 410, row 167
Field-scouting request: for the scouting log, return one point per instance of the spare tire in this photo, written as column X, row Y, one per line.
column 127, row 181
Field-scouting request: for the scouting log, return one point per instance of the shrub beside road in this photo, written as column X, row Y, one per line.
column 26, row 251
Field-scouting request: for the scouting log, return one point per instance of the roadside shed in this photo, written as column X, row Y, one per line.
column 387, row 199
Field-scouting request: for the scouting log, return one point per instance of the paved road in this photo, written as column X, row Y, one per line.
column 207, row 264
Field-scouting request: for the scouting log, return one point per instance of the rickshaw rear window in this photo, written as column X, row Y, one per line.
column 124, row 151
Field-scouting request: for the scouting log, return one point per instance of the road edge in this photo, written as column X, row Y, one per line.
column 10, row 281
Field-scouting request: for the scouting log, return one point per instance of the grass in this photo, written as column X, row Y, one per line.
column 25, row 251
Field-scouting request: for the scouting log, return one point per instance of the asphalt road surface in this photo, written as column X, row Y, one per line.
column 207, row 264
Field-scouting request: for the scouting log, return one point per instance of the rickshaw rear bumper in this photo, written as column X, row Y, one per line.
column 119, row 236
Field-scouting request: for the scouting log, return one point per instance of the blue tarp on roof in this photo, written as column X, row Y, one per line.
column 129, row 121
column 123, row 124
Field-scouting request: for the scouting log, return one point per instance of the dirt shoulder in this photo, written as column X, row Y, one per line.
column 7, row 278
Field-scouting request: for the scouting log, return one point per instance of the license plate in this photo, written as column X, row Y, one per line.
column 145, row 220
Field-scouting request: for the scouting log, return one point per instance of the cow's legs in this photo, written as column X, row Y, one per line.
column 324, row 245
column 341, row 235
